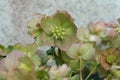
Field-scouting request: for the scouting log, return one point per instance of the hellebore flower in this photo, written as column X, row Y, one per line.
column 59, row 30
column 56, row 30
column 109, row 57
column 97, row 28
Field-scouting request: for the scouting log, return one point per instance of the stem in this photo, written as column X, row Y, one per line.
column 91, row 73
column 80, row 70
column 58, row 57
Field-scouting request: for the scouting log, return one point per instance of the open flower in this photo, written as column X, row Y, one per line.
column 109, row 57
column 59, row 30
column 56, row 30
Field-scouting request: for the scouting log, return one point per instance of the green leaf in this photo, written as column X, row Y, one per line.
column 29, row 49
column 74, row 64
column 26, row 64
column 65, row 57
column 3, row 48
column 41, row 75
column 17, row 66
column 116, row 42
column 10, row 48
column 36, row 60
column 75, row 77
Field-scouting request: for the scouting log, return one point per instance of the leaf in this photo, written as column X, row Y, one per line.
column 74, row 64
column 116, row 42
column 29, row 49
column 26, row 64
column 10, row 48
column 65, row 57
column 75, row 77
column 3, row 48
column 36, row 60
column 41, row 75
column 14, row 69
column 93, row 76
column 23, row 71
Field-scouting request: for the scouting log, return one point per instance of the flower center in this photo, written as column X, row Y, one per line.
column 58, row 32
column 111, row 59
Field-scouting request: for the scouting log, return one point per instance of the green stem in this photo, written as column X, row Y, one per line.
column 58, row 58
column 80, row 70
column 91, row 73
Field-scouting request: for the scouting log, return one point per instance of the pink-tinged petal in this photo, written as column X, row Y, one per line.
column 111, row 25
column 97, row 27
column 11, row 61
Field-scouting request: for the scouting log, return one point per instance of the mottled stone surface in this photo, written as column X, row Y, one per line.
column 14, row 15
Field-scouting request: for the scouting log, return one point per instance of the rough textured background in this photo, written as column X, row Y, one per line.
column 14, row 15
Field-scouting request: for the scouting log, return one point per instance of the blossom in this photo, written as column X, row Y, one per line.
column 109, row 57
column 56, row 30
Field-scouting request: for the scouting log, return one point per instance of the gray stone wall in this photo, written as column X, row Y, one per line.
column 14, row 15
